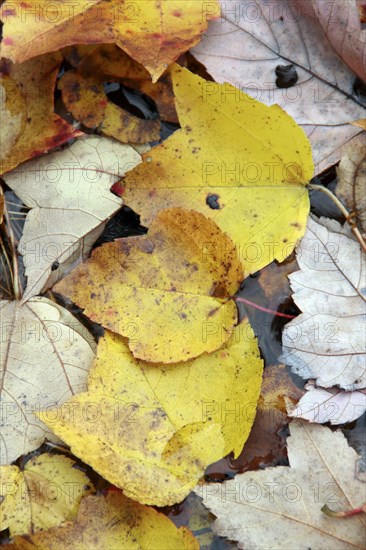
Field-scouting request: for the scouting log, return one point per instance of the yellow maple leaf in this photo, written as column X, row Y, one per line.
column 168, row 292
column 239, row 162
column 114, row 522
column 155, row 33
column 151, row 429
column 45, row 493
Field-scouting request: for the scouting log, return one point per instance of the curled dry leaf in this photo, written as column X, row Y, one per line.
column 29, row 125
column 253, row 39
column 168, row 292
column 281, row 507
column 332, row 405
column 68, row 193
column 351, row 182
column 155, row 33
column 44, row 494
column 327, row 341
column 108, row 62
column 151, row 429
column 114, row 522
column 85, row 98
column 235, row 160
column 45, row 357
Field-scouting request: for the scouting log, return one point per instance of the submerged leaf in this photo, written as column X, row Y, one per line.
column 85, row 98
column 151, row 429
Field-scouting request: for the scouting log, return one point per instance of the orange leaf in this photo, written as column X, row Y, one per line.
column 32, row 128
column 155, row 33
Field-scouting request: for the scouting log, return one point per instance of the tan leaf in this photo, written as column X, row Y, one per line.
column 45, row 357
column 281, row 507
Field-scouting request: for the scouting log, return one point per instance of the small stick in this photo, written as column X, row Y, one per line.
column 344, row 211
column 265, row 309
column 16, row 279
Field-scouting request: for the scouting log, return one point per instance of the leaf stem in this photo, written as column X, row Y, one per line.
column 330, row 513
column 265, row 309
column 344, row 211
column 16, row 278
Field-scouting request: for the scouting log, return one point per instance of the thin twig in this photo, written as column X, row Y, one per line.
column 7, row 260
column 16, row 279
column 265, row 309
column 344, row 211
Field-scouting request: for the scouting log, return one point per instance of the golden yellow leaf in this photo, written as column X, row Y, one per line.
column 239, row 162
column 45, row 493
column 112, row 522
column 151, row 429
column 29, row 125
column 168, row 292
column 85, row 98
column 154, row 33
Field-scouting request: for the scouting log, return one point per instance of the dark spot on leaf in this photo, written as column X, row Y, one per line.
column 286, row 76
column 212, row 201
column 55, row 265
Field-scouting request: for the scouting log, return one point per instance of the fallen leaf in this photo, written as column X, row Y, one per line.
column 332, row 405
column 45, row 493
column 351, row 182
column 151, row 429
column 235, row 160
column 265, row 444
column 154, row 33
column 327, row 340
column 341, row 25
column 281, row 507
column 85, row 98
column 168, row 292
column 45, row 357
column 108, row 62
column 26, row 108
column 253, row 40
column 114, row 522
column 68, row 193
